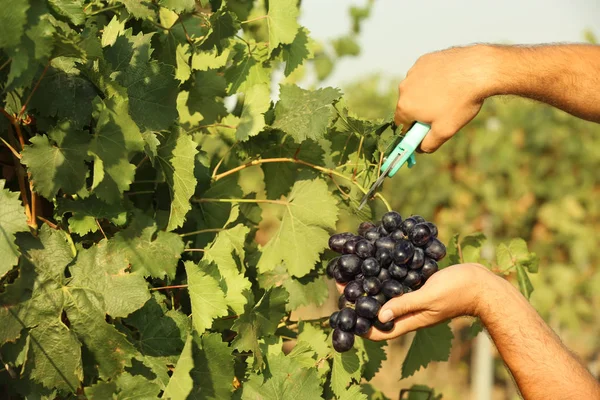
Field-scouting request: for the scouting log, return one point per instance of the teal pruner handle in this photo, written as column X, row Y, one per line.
column 408, row 145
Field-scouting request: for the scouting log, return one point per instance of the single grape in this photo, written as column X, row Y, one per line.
column 364, row 249
column 407, row 225
column 367, row 307
column 403, row 252
column 370, row 267
column 384, row 275
column 433, row 228
column 346, row 319
column 349, row 265
column 392, row 288
column 384, row 256
column 372, row 235
column 398, row 271
column 430, row 267
column 418, row 259
column 360, row 278
column 380, row 297
column 435, row 249
column 337, row 241
column 420, row 234
column 418, row 218
column 333, row 319
column 382, row 231
column 371, row 286
column 353, row 291
column 384, row 327
column 385, row 242
column 391, row 220
column 397, row 235
column 407, row 290
column 339, row 277
column 342, row 341
column 342, row 302
column 413, row 279
column 362, row 326
column 331, row 265
column 350, row 245
column 364, row 227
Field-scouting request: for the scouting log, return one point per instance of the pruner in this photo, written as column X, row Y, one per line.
column 401, row 153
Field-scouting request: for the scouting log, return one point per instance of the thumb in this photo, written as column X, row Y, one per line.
column 399, row 306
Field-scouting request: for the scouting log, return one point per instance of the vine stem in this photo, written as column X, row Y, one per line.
column 210, row 200
column 37, row 84
column 106, row 9
column 170, row 287
column 12, row 149
column 324, row 170
column 360, row 145
column 195, row 250
column 5, row 64
column 254, row 19
column 202, row 231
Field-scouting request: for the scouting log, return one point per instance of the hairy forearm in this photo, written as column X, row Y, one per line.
column 541, row 366
column 564, row 76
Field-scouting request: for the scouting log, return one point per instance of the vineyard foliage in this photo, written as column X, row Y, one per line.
column 130, row 260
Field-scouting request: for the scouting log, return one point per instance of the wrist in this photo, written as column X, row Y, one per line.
column 491, row 64
column 492, row 290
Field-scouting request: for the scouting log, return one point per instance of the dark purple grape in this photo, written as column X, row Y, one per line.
column 384, row 327
column 403, row 252
column 331, row 265
column 337, row 241
column 367, row 307
column 360, row 278
column 418, row 218
column 370, row 267
column 391, row 220
column 364, row 227
column 413, row 279
column 418, row 259
column 384, row 257
column 407, row 225
column 392, row 288
column 385, row 242
column 362, row 326
column 333, row 319
column 398, row 272
column 435, row 249
column 384, row 275
column 342, row 341
column 380, row 297
column 371, row 286
column 382, row 231
column 364, row 249
column 342, row 302
column 349, row 265
column 420, row 234
column 353, row 291
column 407, row 289
column 350, row 245
column 372, row 235
column 346, row 319
column 433, row 228
column 339, row 277
column 397, row 235
column 430, row 267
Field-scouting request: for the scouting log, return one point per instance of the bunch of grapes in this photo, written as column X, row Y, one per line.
column 385, row 260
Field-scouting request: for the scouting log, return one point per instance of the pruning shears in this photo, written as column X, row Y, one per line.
column 401, row 153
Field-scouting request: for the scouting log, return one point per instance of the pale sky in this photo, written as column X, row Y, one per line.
column 398, row 31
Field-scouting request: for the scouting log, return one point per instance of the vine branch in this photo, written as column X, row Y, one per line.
column 254, row 19
column 37, row 84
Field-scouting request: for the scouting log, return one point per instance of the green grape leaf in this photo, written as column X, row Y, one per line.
column 179, row 6
column 206, row 296
column 223, row 25
column 204, row 370
column 256, row 102
column 346, row 369
column 283, row 24
column 429, row 344
column 211, row 59
column 12, row 220
column 287, row 380
column 452, row 255
column 116, row 136
column 353, row 392
column 176, row 157
column 422, row 392
column 13, row 16
column 304, row 292
column 246, row 71
column 374, row 356
column 72, row 9
column 296, row 52
column 516, row 254
column 227, row 246
column 136, row 387
column 346, row 46
column 475, row 328
column 85, row 212
column 111, row 31
column 101, row 390
column 310, row 210
column 471, row 247
column 258, row 321
column 183, row 70
column 203, row 102
column 128, row 50
column 153, row 253
column 348, row 122
column 139, row 9
column 525, row 285
column 316, row 338
column 60, row 164
column 55, row 357
column 304, row 114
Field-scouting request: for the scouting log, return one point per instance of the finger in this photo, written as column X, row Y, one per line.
column 402, row 119
column 340, row 287
column 402, row 325
column 402, row 305
column 435, row 138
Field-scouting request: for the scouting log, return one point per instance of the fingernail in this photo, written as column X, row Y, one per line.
column 386, row 316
